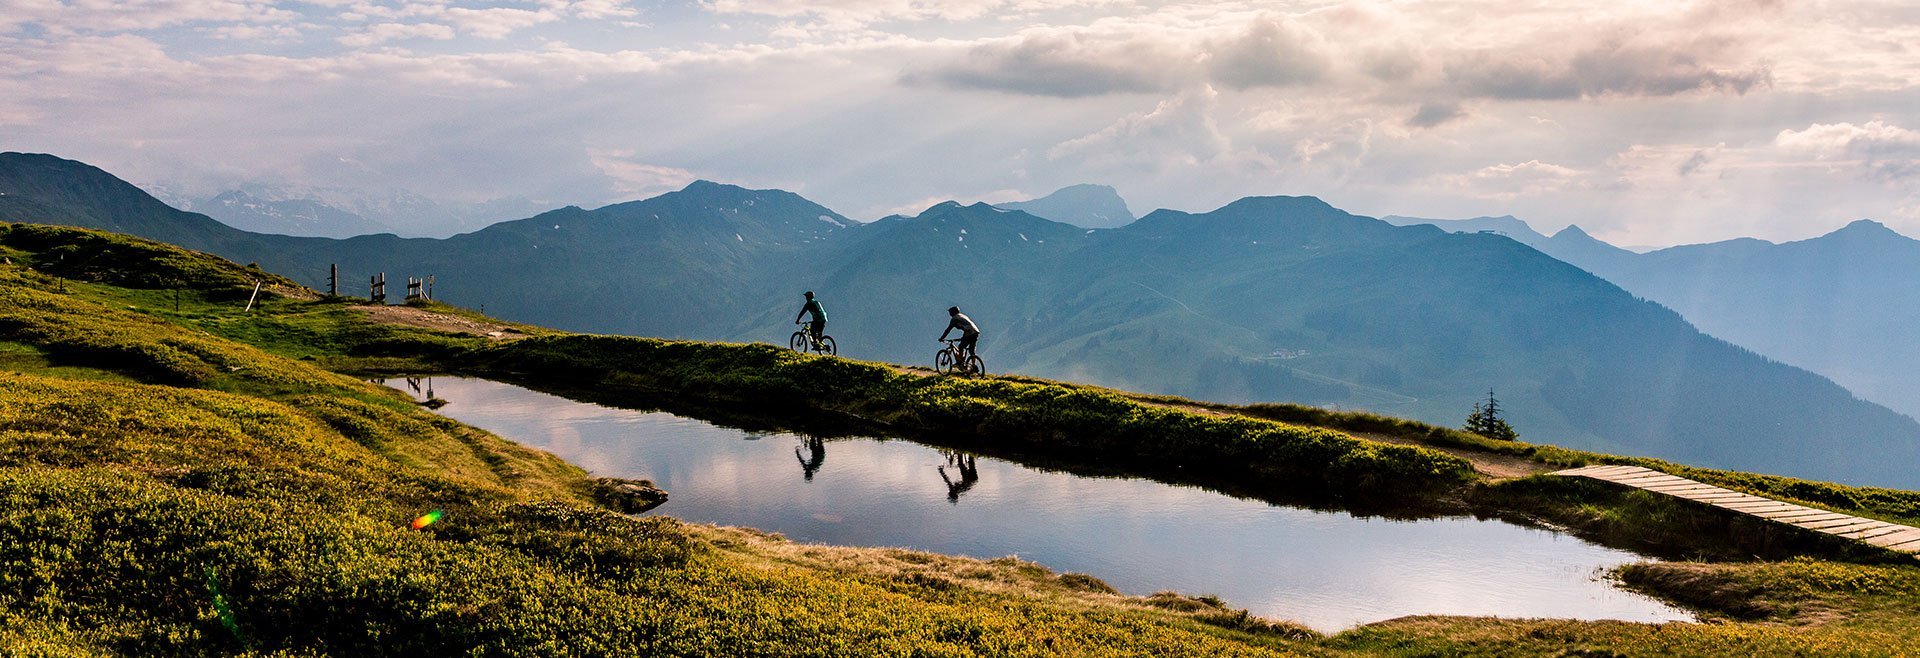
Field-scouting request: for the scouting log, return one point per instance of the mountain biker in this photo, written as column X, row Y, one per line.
column 969, row 332
column 819, row 326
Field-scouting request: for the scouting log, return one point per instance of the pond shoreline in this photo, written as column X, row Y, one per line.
column 1325, row 566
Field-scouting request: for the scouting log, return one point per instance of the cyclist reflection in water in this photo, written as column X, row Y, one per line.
column 969, row 474
column 816, row 455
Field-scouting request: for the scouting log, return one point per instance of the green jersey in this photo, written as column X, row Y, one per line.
column 813, row 306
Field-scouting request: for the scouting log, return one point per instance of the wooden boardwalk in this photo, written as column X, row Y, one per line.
column 1890, row 536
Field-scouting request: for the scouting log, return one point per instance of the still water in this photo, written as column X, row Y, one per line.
column 1329, row 570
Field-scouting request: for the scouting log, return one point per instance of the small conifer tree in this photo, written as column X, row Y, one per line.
column 1486, row 421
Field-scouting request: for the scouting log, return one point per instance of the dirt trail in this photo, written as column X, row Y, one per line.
column 1491, row 465
column 408, row 316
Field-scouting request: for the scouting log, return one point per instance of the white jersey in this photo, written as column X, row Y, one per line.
column 964, row 324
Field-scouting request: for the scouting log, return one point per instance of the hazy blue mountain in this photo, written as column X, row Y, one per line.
column 1270, row 298
column 1085, row 206
column 342, row 212
column 1507, row 225
column 304, row 217
column 1841, row 305
column 1845, row 304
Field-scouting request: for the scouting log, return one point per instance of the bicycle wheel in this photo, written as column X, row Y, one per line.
column 976, row 366
column 943, row 361
column 798, row 342
column 826, row 346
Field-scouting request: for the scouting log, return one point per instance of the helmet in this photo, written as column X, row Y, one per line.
column 809, row 294
column 953, row 310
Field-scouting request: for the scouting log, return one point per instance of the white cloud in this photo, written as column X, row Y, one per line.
column 638, row 178
column 1179, row 130
column 494, row 22
column 1066, row 63
column 1511, row 181
column 1848, row 139
column 121, row 15
column 245, row 32
column 1887, row 152
column 384, row 32
column 1271, row 52
column 856, row 14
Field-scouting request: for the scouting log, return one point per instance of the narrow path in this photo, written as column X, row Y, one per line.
column 408, row 316
column 1890, row 536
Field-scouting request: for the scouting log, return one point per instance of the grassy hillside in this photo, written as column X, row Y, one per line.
column 165, row 491
column 180, row 477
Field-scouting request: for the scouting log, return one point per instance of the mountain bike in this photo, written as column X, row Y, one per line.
column 803, row 341
column 952, row 361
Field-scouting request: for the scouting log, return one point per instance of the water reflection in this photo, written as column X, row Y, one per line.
column 969, row 474
column 815, row 458
column 1330, row 570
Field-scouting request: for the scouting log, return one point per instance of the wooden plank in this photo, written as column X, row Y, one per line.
column 1687, row 487
column 1761, row 506
column 1837, row 525
column 1609, row 469
column 1726, row 498
column 1635, row 473
column 1896, row 538
column 1890, row 536
column 1882, row 530
column 1690, row 484
column 1909, row 546
column 1647, row 478
column 1798, row 517
column 1830, row 523
column 1596, row 469
column 1730, row 497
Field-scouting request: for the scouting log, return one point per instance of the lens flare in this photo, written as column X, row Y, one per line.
column 428, row 519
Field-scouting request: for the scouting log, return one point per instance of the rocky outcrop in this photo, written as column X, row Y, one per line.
column 628, row 496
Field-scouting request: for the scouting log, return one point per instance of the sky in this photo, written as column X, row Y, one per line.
column 1646, row 123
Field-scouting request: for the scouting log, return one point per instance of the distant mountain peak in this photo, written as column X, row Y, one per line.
column 1281, row 204
column 1084, row 205
column 1574, row 231
column 1865, row 229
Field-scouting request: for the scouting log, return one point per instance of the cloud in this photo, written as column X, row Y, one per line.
column 599, row 9
column 267, row 33
column 1431, row 115
column 1700, row 159
column 1358, row 51
column 384, row 32
column 1179, row 134
column 1272, row 52
column 1067, row 63
column 1511, row 181
column 1608, row 69
column 859, row 14
column 494, row 22
column 1887, row 152
column 124, row 15
column 635, row 178
column 1871, row 138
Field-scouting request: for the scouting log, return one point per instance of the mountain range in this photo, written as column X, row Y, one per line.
column 1842, row 304
column 1085, row 206
column 1265, row 299
column 342, row 213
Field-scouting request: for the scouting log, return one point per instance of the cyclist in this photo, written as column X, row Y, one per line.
column 969, row 332
column 819, row 326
